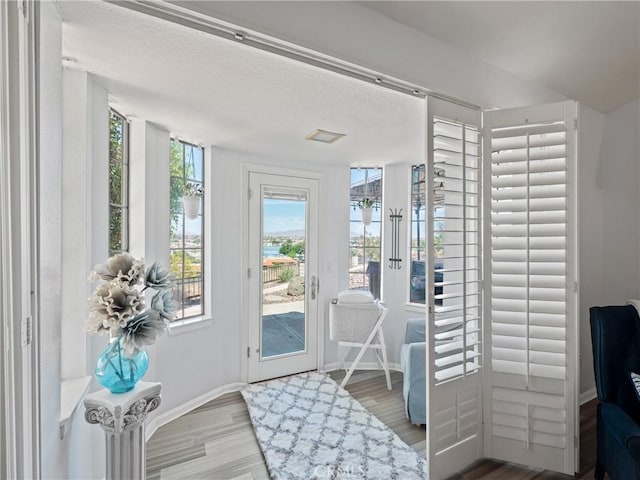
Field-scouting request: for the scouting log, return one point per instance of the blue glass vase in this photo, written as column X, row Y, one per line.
column 117, row 372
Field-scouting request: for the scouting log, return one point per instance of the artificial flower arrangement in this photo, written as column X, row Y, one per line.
column 117, row 305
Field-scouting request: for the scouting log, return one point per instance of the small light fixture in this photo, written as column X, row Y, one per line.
column 239, row 36
column 416, row 93
column 324, row 136
column 377, row 80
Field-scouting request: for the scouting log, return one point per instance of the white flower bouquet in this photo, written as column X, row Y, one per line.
column 117, row 306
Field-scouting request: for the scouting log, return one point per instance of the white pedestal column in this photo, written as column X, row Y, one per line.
column 122, row 417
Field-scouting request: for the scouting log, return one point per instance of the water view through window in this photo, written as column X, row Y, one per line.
column 283, row 278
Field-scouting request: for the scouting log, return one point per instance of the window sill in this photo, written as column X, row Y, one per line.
column 415, row 307
column 72, row 392
column 184, row 326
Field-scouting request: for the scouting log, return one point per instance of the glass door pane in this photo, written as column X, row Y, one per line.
column 284, row 222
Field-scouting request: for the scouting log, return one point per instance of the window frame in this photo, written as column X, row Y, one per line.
column 124, row 205
column 365, row 247
column 180, row 318
column 417, row 219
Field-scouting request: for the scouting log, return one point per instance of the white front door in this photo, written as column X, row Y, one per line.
column 283, row 279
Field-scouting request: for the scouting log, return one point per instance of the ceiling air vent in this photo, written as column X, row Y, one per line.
column 324, row 136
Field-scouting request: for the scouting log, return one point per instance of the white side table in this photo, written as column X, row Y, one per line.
column 122, row 417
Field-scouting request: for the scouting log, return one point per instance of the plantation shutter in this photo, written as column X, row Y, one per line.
column 456, row 191
column 454, row 287
column 530, row 403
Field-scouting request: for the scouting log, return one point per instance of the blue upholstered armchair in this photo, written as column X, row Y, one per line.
column 413, row 368
column 615, row 336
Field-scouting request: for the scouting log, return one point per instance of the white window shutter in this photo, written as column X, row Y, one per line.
column 456, row 228
column 454, row 293
column 530, row 397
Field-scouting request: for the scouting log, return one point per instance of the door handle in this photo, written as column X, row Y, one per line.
column 314, row 287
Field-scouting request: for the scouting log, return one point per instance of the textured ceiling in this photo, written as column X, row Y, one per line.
column 223, row 93
column 218, row 92
column 586, row 50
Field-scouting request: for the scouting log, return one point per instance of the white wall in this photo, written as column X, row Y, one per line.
column 50, row 144
column 591, row 235
column 609, row 169
column 84, row 207
column 619, row 164
column 149, row 191
column 59, row 458
column 84, row 243
column 148, row 204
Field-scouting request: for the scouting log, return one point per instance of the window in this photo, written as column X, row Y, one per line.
column 366, row 232
column 118, row 183
column 418, row 234
column 187, row 227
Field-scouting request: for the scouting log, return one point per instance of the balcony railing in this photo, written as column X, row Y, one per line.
column 272, row 273
column 188, row 290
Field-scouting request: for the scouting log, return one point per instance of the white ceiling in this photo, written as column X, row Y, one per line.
column 213, row 91
column 586, row 50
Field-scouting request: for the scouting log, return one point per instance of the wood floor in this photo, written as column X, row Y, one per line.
column 216, row 441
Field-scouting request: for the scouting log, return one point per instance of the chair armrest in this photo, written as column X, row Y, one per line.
column 416, row 365
column 414, row 381
column 622, row 427
column 416, row 330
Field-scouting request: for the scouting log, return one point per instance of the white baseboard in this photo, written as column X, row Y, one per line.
column 177, row 412
column 588, row 395
column 330, row 367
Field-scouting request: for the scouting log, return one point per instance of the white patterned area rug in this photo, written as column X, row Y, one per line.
column 310, row 428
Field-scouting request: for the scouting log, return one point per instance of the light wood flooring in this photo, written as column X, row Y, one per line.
column 216, row 441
